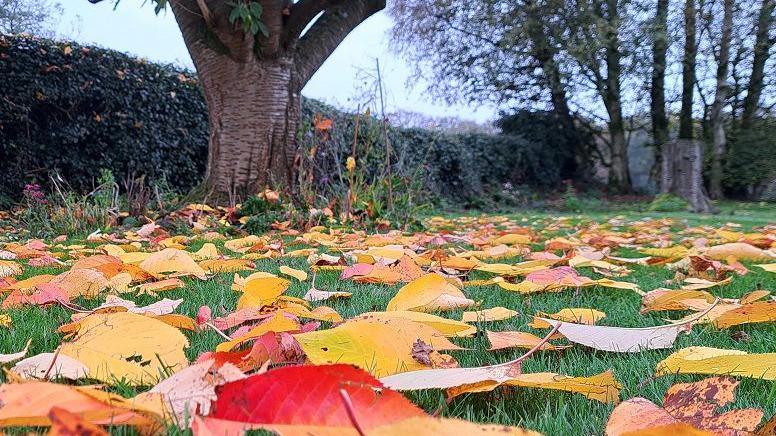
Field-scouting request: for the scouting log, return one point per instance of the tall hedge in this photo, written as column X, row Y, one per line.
column 77, row 110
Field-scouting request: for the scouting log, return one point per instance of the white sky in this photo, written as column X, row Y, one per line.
column 135, row 29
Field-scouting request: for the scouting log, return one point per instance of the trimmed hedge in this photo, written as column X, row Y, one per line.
column 77, row 110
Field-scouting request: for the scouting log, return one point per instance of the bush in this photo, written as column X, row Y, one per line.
column 668, row 203
column 750, row 167
column 78, row 110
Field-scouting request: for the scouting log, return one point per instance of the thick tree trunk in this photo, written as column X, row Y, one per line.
column 716, row 119
column 253, row 116
column 682, row 166
column 762, row 47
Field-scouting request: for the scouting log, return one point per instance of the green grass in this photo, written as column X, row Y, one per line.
column 549, row 412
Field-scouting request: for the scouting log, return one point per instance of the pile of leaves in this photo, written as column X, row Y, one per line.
column 127, row 355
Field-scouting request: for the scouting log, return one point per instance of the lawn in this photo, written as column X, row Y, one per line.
column 549, row 412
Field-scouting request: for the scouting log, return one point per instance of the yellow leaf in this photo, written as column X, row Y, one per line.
column 448, row 327
column 295, row 273
column 429, row 293
column 600, row 387
column 216, row 266
column 239, row 282
column 575, row 315
column 512, row 238
column 125, row 345
column 208, row 251
column 382, row 348
column 706, row 360
column 675, row 252
column 759, row 311
column 492, row 314
column 739, row 250
column 174, row 262
column 501, row 340
column 5, row 320
column 262, row 291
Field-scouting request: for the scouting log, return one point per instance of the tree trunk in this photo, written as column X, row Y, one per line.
column 682, row 166
column 619, row 174
column 253, row 116
column 545, row 54
column 252, row 82
column 762, row 47
column 720, row 97
column 657, row 91
column 688, row 72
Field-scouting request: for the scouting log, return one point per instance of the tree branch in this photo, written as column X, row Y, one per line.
column 328, row 32
column 301, row 14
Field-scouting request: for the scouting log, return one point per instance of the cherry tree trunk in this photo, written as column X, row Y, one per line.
column 682, row 166
column 253, row 116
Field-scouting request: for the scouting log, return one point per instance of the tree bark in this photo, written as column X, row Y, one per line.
column 688, row 71
column 762, row 47
column 253, row 116
column 252, row 83
column 619, row 174
column 682, row 167
column 657, row 91
column 545, row 54
column 720, row 97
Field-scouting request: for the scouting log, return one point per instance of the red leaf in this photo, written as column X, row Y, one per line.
column 310, row 395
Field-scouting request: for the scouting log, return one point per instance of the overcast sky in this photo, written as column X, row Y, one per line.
column 135, row 29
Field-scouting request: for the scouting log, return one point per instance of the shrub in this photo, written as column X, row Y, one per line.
column 77, row 110
column 668, row 203
column 750, row 167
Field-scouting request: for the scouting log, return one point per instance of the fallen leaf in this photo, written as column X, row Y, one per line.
column 492, row 314
column 64, row 423
column 502, row 340
column 311, row 395
column 315, row 295
column 51, row 366
column 262, row 291
column 147, row 347
column 381, row 347
column 716, row 361
column 172, row 262
column 429, row 293
column 295, row 273
column 447, row 327
column 8, row 358
column 759, row 311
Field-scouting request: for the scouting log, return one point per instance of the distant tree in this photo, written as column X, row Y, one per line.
column 500, row 51
column 720, row 99
column 31, row 16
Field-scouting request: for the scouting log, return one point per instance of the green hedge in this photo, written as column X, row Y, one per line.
column 750, row 165
column 77, row 110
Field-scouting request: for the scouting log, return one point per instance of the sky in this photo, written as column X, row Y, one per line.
column 134, row 28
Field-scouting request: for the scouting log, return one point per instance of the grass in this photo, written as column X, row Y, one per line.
column 549, row 412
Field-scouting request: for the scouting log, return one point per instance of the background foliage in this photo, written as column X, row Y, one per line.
column 78, row 110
